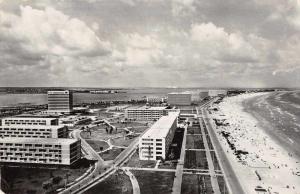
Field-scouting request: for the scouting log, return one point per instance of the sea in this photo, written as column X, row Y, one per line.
column 278, row 114
column 8, row 99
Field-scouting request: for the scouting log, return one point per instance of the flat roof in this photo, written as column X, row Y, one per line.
column 180, row 93
column 149, row 108
column 21, row 140
column 30, row 118
column 33, row 126
column 160, row 128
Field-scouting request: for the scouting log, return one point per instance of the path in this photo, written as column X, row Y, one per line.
column 229, row 175
column 134, row 182
column 179, row 168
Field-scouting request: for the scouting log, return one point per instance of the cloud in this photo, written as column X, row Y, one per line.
column 215, row 42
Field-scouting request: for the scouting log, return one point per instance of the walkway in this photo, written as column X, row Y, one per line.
column 213, row 177
column 229, row 175
column 134, row 182
column 179, row 169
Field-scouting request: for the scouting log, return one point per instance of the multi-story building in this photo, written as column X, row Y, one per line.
column 30, row 121
column 60, row 102
column 39, row 151
column 155, row 143
column 147, row 113
column 34, row 131
column 180, row 98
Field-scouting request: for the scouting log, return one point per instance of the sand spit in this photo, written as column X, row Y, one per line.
column 259, row 162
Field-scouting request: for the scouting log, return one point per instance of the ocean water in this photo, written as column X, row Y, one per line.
column 135, row 94
column 279, row 114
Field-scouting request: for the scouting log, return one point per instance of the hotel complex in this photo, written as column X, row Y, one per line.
column 155, row 143
column 60, row 102
column 37, row 140
column 32, row 131
column 29, row 121
column 147, row 113
column 42, row 151
column 180, row 98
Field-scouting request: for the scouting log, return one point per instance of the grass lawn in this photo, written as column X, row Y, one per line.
column 139, row 129
column 194, row 130
column 195, row 160
column 134, row 161
column 168, row 165
column 194, row 142
column 111, row 154
column 118, row 183
column 30, row 180
column 97, row 145
column 152, row 182
column 121, row 141
column 215, row 160
column 194, row 184
column 99, row 132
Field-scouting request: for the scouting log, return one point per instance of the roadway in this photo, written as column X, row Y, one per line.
column 92, row 154
column 230, row 177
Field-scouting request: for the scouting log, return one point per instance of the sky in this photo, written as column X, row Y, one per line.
column 150, row 43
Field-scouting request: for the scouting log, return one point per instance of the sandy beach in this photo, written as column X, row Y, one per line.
column 259, row 161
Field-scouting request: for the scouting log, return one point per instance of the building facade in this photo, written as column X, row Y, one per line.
column 155, row 143
column 39, row 151
column 60, row 102
column 180, row 98
column 32, row 131
column 145, row 113
column 30, row 121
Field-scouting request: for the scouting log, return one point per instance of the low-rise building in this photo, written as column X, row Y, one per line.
column 184, row 98
column 30, row 121
column 34, row 131
column 39, row 151
column 147, row 113
column 155, row 143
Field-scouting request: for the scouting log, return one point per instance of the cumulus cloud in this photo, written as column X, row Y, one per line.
column 149, row 42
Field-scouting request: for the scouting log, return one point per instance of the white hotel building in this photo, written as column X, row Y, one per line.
column 39, row 151
column 155, row 143
column 60, row 102
column 32, row 128
column 38, row 121
column 184, row 98
column 32, row 131
column 147, row 113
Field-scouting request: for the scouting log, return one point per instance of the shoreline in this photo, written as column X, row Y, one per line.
column 263, row 160
column 267, row 127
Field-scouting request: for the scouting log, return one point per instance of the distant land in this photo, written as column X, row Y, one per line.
column 43, row 90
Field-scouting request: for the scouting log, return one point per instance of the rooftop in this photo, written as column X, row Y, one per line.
column 33, row 126
column 180, row 93
column 149, row 108
column 161, row 128
column 30, row 118
column 62, row 141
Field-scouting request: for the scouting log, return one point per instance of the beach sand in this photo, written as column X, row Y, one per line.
column 257, row 159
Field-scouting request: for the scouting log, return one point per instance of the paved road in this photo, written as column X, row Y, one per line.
column 230, row 176
column 179, row 168
column 213, row 177
column 91, row 153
